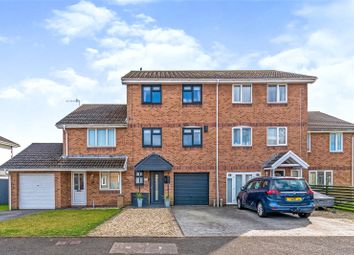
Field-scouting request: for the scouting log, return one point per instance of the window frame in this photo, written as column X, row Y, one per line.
column 296, row 170
column 192, row 87
column 241, row 131
column 336, row 140
column 151, row 137
column 150, row 86
column 241, row 94
column 278, row 94
column 277, row 144
column 96, row 138
column 308, row 142
column 280, row 171
column 108, row 181
column 193, row 145
column 136, row 176
column 324, row 174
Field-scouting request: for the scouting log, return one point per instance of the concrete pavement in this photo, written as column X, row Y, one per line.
column 191, row 245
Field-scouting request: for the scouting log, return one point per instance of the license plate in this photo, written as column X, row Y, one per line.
column 293, row 199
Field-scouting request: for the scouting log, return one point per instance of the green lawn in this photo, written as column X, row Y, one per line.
column 56, row 223
column 4, row 207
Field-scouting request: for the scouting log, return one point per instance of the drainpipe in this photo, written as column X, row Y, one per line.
column 217, row 143
column 66, row 142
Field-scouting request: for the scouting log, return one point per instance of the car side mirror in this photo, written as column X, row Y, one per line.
column 243, row 188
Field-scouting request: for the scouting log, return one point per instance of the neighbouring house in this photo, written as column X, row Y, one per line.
column 197, row 136
column 4, row 183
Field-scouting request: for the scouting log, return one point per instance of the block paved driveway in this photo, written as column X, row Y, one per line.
column 201, row 221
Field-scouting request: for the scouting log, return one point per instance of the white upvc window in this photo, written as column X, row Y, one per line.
column 336, row 142
column 110, row 181
column 277, row 93
column 277, row 136
column 101, row 137
column 241, row 136
column 321, row 177
column 296, row 173
column 242, row 94
column 308, row 142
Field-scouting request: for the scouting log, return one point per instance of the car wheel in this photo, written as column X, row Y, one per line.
column 260, row 210
column 304, row 215
column 239, row 204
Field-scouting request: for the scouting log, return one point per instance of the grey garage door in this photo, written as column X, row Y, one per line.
column 191, row 189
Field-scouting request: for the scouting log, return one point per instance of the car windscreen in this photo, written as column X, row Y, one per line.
column 289, row 185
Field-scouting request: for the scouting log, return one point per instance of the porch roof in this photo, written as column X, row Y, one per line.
column 48, row 157
column 284, row 159
column 153, row 162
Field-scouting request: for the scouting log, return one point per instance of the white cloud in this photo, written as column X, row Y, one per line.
column 323, row 48
column 79, row 20
column 145, row 18
column 11, row 93
column 127, row 2
column 4, row 39
column 69, row 76
column 60, row 86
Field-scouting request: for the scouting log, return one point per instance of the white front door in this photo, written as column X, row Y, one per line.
column 78, row 188
column 234, row 183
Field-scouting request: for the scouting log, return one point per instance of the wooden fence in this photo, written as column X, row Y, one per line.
column 343, row 195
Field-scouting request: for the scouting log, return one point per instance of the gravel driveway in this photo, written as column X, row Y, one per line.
column 200, row 221
column 152, row 222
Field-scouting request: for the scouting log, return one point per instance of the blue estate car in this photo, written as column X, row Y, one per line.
column 277, row 194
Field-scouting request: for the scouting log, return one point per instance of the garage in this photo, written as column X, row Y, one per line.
column 36, row 191
column 191, row 188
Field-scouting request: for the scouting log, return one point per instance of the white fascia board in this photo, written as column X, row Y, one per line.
column 331, row 131
column 92, row 126
column 69, row 170
column 214, row 81
column 292, row 155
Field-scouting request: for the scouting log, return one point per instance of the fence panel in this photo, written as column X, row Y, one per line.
column 343, row 195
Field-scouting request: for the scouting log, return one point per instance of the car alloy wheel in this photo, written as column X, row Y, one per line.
column 260, row 210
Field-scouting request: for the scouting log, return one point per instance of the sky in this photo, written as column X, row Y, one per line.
column 54, row 51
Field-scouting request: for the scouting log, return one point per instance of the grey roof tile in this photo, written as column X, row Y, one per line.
column 49, row 156
column 214, row 74
column 90, row 114
column 319, row 121
column 153, row 162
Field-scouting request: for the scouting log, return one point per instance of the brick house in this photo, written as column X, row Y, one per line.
column 197, row 136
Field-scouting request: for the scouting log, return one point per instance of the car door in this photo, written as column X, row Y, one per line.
column 248, row 193
column 253, row 194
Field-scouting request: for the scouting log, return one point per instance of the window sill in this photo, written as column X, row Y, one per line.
column 278, row 145
column 192, row 147
column 242, row 103
column 277, row 104
column 242, row 146
column 336, row 151
column 101, row 147
column 109, row 190
column 191, row 104
column 151, row 104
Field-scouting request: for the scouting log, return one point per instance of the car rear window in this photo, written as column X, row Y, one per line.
column 289, row 185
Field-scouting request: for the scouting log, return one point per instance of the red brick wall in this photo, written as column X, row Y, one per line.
column 320, row 158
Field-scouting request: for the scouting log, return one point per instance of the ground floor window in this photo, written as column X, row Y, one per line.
column 296, row 173
column 321, row 177
column 279, row 172
column 110, row 180
column 139, row 178
column 234, row 182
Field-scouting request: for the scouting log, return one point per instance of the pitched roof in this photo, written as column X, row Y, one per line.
column 8, row 143
column 153, row 162
column 96, row 114
column 224, row 75
column 319, row 121
column 47, row 156
column 280, row 158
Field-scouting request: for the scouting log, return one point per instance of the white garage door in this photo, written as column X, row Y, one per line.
column 37, row 191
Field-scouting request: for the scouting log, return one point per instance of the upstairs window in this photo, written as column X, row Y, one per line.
column 110, row 181
column 241, row 136
column 241, row 94
column 192, row 94
column 152, row 137
column 277, row 136
column 192, row 137
column 336, row 142
column 277, row 93
column 151, row 94
column 101, row 137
